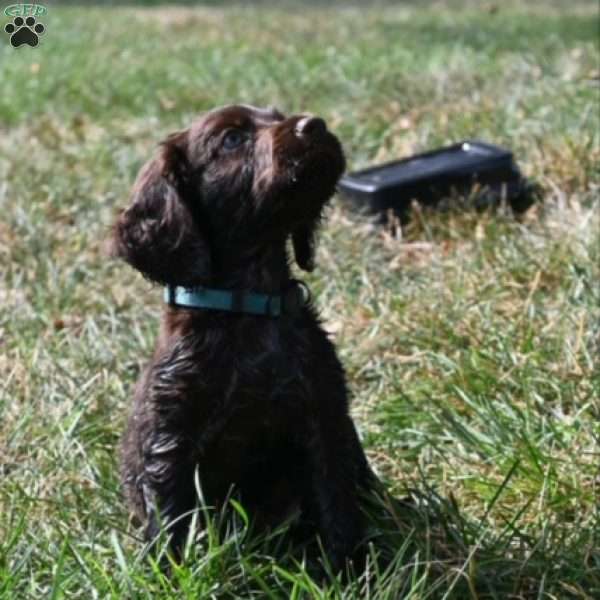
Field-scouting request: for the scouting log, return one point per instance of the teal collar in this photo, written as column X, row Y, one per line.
column 294, row 297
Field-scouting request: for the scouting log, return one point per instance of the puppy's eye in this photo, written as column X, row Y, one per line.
column 233, row 139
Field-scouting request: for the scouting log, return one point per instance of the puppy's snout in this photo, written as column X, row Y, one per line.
column 310, row 126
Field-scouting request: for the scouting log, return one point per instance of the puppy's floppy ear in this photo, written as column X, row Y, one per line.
column 304, row 242
column 158, row 234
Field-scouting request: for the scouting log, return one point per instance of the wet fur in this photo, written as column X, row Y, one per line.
column 252, row 402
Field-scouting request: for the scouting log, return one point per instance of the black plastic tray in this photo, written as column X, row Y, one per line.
column 438, row 174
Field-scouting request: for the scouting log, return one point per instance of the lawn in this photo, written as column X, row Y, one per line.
column 471, row 341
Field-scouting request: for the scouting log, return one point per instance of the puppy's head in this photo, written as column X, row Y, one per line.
column 238, row 180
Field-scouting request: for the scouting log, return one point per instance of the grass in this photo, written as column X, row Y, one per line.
column 471, row 341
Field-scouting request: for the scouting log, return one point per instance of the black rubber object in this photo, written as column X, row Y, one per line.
column 432, row 176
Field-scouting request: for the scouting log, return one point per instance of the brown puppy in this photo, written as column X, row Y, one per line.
column 244, row 385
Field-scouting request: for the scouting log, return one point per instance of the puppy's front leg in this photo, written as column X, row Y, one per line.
column 337, row 469
column 166, row 480
column 168, row 485
column 186, row 415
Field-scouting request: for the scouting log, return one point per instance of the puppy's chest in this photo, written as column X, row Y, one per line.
column 257, row 377
column 273, row 387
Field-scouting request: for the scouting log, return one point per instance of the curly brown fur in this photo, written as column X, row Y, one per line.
column 252, row 402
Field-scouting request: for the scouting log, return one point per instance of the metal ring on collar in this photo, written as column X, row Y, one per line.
column 295, row 297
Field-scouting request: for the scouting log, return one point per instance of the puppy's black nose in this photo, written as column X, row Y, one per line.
column 310, row 126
